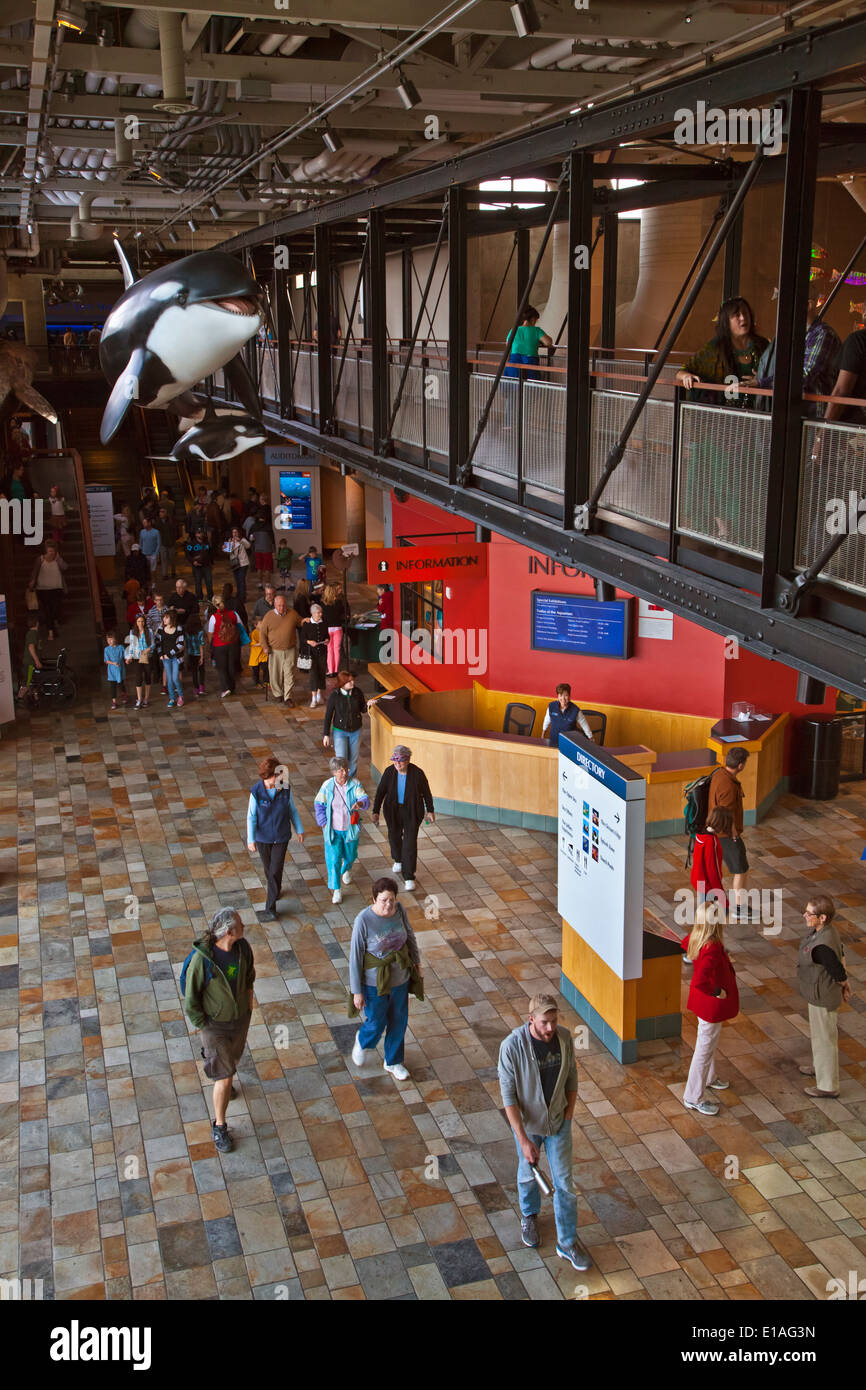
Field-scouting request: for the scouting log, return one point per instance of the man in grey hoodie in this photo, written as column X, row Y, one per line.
column 538, row 1081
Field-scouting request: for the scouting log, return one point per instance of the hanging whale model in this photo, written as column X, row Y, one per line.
column 175, row 327
column 17, row 365
column 217, row 438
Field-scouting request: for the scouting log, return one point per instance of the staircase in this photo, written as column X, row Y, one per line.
column 77, row 627
column 160, row 434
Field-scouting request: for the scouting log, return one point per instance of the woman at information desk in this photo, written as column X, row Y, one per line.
column 561, row 715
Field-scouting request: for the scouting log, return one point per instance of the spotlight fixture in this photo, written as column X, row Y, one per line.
column 214, row 211
column 192, row 224
column 173, row 236
column 407, row 91
column 158, row 246
column 525, row 18
column 71, row 15
column 331, row 140
column 243, row 193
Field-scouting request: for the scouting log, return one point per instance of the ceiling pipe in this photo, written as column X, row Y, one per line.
column 32, row 248
column 174, row 98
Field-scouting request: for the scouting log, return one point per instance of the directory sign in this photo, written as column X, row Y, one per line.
column 296, row 500
column 602, row 826
column 100, row 510
column 580, row 625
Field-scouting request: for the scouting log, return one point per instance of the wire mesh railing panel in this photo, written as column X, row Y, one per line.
column 436, row 410
column 641, row 485
column 303, row 381
column 268, row 388
column 723, row 463
column 346, row 401
column 365, row 371
column 832, row 484
column 615, row 374
column 544, row 435
column 408, row 424
column 497, row 447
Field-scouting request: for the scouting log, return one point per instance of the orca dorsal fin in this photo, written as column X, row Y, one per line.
column 128, row 277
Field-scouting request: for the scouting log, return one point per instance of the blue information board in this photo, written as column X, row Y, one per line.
column 581, row 626
column 296, row 500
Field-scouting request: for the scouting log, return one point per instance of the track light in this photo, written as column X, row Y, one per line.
column 407, row 91
column 525, row 18
column 172, row 236
column 214, row 211
column 71, row 15
column 331, row 140
column 158, row 246
column 192, row 224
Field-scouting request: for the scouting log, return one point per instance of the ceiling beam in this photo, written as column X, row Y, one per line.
column 144, row 65
column 626, row 19
column 277, row 115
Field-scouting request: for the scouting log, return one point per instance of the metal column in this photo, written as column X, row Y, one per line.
column 458, row 369
column 377, row 327
column 783, row 478
column 577, row 397
column 610, row 251
column 323, row 324
column 407, row 292
column 733, row 260
column 521, row 241
column 284, row 352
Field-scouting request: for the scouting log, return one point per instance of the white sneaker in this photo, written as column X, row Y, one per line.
column 358, row 1053
column 313, row 703
column 347, row 877
column 409, row 884
column 704, row 1107
column 398, row 1071
column 396, row 868
column 336, row 896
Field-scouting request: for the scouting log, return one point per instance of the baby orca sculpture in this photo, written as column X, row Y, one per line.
column 173, row 328
column 217, row 438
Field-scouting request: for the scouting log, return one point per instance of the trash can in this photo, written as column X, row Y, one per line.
column 364, row 639
column 819, row 757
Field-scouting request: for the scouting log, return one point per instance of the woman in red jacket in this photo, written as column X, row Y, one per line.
column 707, row 860
column 225, row 645
column 713, row 999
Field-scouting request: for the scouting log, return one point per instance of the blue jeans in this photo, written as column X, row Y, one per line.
column 346, row 746
column 340, row 855
column 171, row 666
column 388, row 1013
column 558, row 1149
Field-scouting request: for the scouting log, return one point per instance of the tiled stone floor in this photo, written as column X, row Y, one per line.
column 110, row 1186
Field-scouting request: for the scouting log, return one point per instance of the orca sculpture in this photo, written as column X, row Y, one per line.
column 217, row 438
column 173, row 328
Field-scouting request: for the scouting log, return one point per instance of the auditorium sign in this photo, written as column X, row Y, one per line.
column 409, row 564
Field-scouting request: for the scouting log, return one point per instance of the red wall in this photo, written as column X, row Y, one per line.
column 688, row 675
column 466, row 610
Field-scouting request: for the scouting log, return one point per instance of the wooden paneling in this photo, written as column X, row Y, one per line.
column 448, row 709
column 392, row 676
column 613, row 998
column 659, row 989
column 666, row 733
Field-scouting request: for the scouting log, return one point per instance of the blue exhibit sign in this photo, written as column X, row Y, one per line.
column 582, row 626
column 296, row 500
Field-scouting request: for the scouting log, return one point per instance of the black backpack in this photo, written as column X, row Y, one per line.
column 695, row 810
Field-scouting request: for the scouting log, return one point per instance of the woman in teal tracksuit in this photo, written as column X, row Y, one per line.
column 337, row 806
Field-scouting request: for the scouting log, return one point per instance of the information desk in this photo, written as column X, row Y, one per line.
column 481, row 774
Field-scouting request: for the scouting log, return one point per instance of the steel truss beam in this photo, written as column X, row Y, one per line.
column 835, row 656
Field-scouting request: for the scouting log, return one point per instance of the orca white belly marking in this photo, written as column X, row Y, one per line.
column 195, row 341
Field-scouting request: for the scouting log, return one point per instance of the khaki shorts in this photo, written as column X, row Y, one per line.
column 222, row 1047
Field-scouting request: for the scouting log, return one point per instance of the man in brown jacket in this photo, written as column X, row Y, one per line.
column 278, row 636
column 727, row 790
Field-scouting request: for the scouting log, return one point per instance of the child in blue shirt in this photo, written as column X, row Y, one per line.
column 114, row 656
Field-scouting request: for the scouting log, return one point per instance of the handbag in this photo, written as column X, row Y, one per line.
column 304, row 663
column 31, row 601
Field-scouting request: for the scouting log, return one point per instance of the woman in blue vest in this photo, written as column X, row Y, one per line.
column 338, row 804
column 271, row 817
column 562, row 715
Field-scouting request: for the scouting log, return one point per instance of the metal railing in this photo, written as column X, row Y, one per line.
column 712, row 460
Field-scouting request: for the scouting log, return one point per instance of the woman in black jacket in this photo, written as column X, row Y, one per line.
column 314, row 633
column 345, row 711
column 405, row 797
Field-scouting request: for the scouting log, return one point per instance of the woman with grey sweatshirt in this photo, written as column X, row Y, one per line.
column 384, row 966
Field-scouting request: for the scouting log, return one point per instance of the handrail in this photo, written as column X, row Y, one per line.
column 86, row 537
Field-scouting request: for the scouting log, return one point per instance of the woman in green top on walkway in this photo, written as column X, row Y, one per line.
column 524, row 344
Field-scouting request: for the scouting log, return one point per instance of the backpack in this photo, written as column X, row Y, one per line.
column 695, row 810
column 208, row 971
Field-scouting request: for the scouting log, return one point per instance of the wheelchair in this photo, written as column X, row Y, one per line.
column 54, row 681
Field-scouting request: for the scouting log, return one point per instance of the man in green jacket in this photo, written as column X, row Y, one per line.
column 218, row 1000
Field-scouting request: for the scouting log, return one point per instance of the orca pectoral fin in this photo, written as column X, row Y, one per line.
column 124, row 392
column 243, row 386
column 187, row 406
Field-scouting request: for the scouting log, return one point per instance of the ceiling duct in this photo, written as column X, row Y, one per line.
column 80, row 227
column 174, row 99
